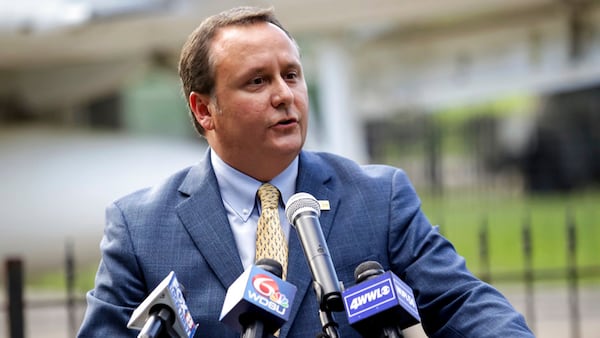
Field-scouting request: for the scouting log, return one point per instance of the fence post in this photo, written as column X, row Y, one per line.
column 433, row 142
column 16, row 318
column 70, row 286
column 572, row 275
column 484, row 252
column 528, row 272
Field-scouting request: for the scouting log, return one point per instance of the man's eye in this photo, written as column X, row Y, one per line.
column 291, row 76
column 257, row 81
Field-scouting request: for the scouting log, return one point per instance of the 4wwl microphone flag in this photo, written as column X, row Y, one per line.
column 379, row 300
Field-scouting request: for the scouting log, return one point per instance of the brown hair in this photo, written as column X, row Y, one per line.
column 195, row 65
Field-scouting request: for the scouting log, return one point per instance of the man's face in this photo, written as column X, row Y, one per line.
column 259, row 110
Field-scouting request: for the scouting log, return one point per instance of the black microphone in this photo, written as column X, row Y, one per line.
column 164, row 312
column 303, row 211
column 259, row 302
column 380, row 304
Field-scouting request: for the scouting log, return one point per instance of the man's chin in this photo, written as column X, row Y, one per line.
column 289, row 145
column 288, row 150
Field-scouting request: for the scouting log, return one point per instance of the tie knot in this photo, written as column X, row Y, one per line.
column 269, row 196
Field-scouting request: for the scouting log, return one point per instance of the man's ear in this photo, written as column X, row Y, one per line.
column 199, row 104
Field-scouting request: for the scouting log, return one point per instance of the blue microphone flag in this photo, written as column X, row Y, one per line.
column 385, row 293
column 260, row 292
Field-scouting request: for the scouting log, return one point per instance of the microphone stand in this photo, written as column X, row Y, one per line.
column 392, row 333
column 327, row 321
column 158, row 325
column 256, row 329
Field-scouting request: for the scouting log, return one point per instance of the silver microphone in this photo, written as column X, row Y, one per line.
column 303, row 211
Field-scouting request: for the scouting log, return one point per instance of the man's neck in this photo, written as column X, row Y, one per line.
column 264, row 169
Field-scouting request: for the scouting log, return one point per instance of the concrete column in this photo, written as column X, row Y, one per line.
column 342, row 131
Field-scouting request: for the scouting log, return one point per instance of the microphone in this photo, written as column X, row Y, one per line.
column 379, row 301
column 303, row 211
column 259, row 302
column 164, row 312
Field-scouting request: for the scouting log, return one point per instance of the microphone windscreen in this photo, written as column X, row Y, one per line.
column 299, row 202
column 270, row 265
column 366, row 270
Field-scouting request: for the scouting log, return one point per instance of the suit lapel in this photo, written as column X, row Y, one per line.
column 313, row 179
column 205, row 219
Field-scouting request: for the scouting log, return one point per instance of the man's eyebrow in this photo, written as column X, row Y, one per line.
column 263, row 69
column 252, row 71
column 293, row 64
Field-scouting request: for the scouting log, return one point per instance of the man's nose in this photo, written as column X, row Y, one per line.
column 283, row 95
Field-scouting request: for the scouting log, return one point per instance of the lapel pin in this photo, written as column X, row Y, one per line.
column 324, row 205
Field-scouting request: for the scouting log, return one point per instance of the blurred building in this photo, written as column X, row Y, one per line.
column 99, row 77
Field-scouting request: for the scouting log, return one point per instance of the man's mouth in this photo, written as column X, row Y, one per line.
column 286, row 122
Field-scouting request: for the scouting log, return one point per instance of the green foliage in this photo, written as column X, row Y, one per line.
column 516, row 104
column 56, row 280
column 156, row 105
column 461, row 217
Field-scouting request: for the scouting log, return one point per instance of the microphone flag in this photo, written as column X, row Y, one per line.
column 260, row 292
column 383, row 296
column 167, row 294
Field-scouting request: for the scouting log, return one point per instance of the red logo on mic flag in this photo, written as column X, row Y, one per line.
column 269, row 288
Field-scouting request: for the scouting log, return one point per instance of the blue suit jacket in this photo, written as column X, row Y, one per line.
column 181, row 225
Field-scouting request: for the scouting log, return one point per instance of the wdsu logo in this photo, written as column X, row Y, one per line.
column 268, row 294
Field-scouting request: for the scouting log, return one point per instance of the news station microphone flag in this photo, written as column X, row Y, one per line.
column 380, row 304
column 164, row 311
column 258, row 295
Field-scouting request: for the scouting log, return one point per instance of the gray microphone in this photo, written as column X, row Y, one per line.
column 303, row 211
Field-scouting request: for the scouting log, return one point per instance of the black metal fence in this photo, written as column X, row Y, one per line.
column 557, row 153
column 17, row 302
column 528, row 277
column 571, row 274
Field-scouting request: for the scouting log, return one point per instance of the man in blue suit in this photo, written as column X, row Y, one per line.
column 243, row 79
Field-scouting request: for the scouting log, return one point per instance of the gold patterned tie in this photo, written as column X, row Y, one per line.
column 270, row 240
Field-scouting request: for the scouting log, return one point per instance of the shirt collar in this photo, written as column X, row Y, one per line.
column 239, row 190
column 286, row 181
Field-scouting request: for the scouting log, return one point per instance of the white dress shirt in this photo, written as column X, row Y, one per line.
column 238, row 192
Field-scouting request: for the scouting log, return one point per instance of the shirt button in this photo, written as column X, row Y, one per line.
column 245, row 211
